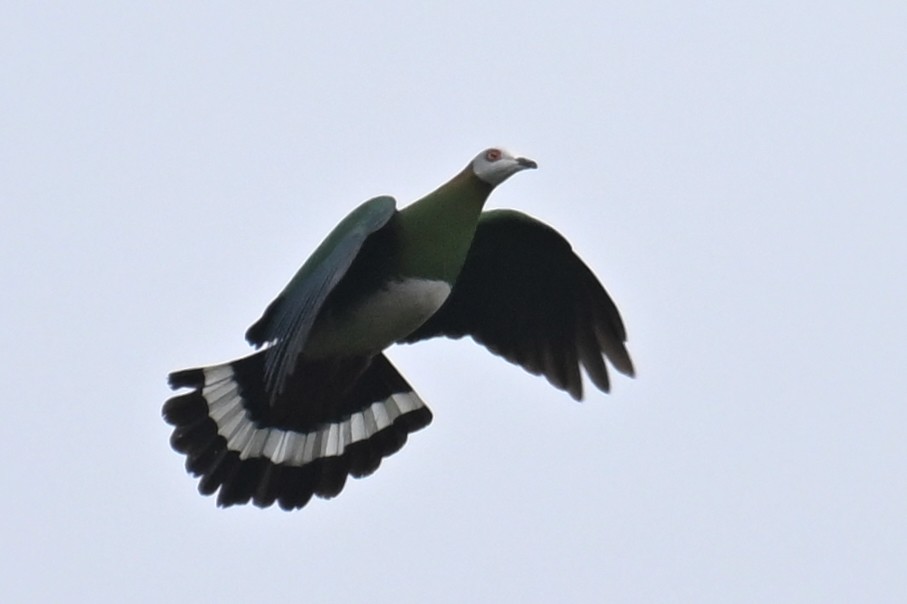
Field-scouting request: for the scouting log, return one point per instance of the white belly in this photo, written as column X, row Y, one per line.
column 390, row 314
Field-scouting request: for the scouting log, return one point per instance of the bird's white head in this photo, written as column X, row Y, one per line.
column 496, row 165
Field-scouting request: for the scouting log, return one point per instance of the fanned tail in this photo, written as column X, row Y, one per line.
column 336, row 419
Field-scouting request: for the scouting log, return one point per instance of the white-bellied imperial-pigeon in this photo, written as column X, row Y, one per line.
column 320, row 400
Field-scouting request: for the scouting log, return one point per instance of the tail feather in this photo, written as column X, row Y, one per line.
column 330, row 423
column 268, row 489
column 297, row 490
column 187, row 378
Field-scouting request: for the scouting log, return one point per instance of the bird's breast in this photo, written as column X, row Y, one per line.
column 378, row 320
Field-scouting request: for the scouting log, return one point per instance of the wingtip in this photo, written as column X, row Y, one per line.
column 575, row 390
column 626, row 366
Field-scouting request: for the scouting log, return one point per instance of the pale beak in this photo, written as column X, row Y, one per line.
column 525, row 162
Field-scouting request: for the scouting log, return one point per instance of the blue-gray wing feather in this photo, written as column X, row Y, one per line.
column 287, row 322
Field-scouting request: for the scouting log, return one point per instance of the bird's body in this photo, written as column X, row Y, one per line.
column 321, row 401
column 371, row 325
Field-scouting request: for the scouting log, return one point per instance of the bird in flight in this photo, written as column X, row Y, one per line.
column 319, row 400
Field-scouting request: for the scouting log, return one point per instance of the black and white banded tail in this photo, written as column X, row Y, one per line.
column 332, row 419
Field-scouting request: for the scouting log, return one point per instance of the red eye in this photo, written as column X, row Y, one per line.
column 493, row 155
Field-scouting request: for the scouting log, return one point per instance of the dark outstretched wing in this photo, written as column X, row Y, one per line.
column 287, row 321
column 525, row 295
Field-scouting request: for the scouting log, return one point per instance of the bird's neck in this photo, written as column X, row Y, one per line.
column 437, row 230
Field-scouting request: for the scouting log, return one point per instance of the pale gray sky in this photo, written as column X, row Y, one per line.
column 734, row 173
